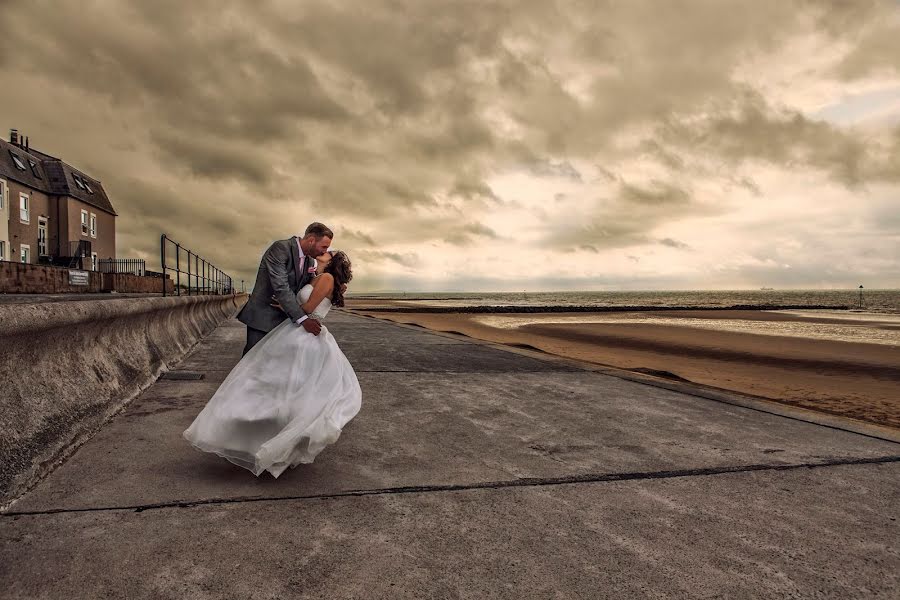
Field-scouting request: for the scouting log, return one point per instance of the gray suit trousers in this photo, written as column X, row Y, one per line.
column 253, row 338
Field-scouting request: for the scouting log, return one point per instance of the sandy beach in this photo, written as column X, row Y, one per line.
column 844, row 364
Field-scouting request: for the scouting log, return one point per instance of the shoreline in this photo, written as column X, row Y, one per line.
column 401, row 306
column 856, row 380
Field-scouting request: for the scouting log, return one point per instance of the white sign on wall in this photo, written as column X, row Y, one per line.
column 79, row 278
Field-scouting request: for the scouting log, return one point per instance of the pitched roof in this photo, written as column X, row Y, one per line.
column 52, row 176
column 11, row 157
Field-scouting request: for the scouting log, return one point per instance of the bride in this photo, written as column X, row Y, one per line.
column 291, row 394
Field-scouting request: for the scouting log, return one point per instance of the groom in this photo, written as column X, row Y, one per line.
column 286, row 267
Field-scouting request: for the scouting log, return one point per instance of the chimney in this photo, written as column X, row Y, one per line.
column 14, row 137
column 26, row 144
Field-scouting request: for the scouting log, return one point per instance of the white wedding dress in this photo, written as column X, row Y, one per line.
column 286, row 400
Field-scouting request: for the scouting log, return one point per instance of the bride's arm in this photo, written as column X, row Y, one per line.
column 322, row 287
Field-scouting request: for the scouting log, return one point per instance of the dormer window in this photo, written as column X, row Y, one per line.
column 87, row 186
column 34, row 169
column 19, row 164
column 77, row 180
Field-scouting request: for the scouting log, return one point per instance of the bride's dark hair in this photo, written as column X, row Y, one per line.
column 341, row 269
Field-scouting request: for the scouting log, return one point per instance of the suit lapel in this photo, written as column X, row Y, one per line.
column 298, row 261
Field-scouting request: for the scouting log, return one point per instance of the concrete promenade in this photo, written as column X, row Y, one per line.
column 472, row 471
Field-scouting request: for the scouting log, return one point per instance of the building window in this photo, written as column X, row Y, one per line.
column 25, row 253
column 93, row 225
column 87, row 186
column 84, row 222
column 77, row 180
column 24, row 208
column 2, row 250
column 42, row 236
column 34, row 169
column 19, row 164
column 93, row 261
column 2, row 193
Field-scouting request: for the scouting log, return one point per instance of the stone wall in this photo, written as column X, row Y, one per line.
column 67, row 367
column 124, row 283
column 18, row 278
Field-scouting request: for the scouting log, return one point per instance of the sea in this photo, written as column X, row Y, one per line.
column 871, row 301
column 840, row 315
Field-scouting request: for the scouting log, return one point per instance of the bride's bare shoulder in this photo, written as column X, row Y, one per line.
column 326, row 279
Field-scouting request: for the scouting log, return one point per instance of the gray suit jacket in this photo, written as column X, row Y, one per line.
column 281, row 273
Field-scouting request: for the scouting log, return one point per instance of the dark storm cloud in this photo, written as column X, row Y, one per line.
column 465, row 234
column 873, row 28
column 233, row 124
column 212, row 158
column 357, row 236
column 475, row 190
column 674, row 244
column 562, row 169
column 628, row 218
column 663, row 155
column 657, row 193
column 787, row 138
column 409, row 259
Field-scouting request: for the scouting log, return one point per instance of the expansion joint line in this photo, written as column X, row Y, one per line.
column 524, row 482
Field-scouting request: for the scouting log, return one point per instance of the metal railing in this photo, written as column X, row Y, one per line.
column 201, row 277
column 77, row 252
column 131, row 266
column 79, row 249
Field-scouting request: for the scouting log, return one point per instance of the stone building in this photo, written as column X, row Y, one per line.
column 51, row 213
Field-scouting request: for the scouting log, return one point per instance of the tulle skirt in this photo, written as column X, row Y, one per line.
column 284, row 402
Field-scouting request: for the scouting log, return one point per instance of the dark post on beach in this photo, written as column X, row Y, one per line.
column 860, row 296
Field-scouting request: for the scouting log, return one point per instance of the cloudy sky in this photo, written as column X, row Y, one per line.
column 477, row 145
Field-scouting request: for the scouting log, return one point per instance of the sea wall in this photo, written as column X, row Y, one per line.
column 67, row 367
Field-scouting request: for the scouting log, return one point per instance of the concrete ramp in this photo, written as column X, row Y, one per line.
column 471, row 471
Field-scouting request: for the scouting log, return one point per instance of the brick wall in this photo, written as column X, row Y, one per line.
column 18, row 278
column 21, row 232
column 104, row 244
column 133, row 284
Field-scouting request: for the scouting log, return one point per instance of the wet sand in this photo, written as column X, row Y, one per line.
column 859, row 380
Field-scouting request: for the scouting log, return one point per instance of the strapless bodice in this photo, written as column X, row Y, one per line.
column 324, row 306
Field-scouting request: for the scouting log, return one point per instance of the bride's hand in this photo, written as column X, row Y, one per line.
column 312, row 325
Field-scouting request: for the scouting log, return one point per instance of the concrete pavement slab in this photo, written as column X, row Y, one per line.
column 510, row 481
column 828, row 532
column 432, row 429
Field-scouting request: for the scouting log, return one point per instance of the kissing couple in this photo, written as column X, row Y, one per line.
column 294, row 390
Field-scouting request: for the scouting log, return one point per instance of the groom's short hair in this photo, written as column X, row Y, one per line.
column 319, row 230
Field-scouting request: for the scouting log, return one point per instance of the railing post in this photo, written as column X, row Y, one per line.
column 162, row 260
column 202, row 276
column 178, row 268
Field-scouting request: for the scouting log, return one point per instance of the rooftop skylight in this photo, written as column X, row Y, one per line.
column 19, row 164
